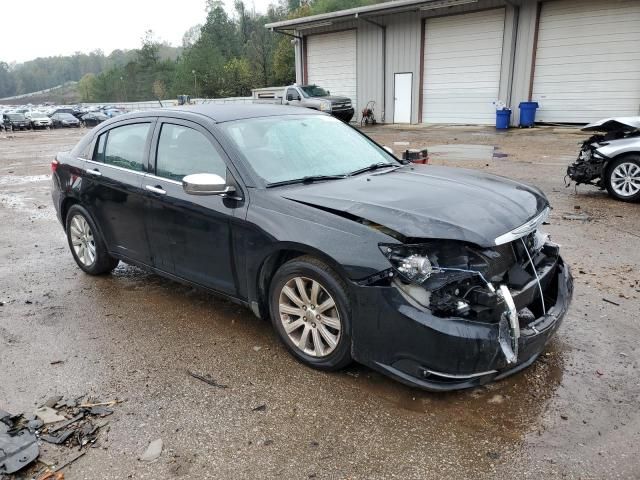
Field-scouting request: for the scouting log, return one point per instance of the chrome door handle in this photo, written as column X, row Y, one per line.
column 158, row 190
column 95, row 172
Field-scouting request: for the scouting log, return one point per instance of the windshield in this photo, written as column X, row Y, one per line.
column 16, row 116
column 38, row 115
column 293, row 147
column 314, row 91
column 66, row 116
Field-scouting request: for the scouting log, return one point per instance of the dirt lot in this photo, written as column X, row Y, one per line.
column 133, row 336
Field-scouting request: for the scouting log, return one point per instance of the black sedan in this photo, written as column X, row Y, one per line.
column 64, row 120
column 16, row 121
column 438, row 277
column 92, row 119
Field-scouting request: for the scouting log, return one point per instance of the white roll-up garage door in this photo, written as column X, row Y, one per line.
column 462, row 61
column 331, row 62
column 588, row 60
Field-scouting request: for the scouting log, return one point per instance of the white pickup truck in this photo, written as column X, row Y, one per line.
column 309, row 96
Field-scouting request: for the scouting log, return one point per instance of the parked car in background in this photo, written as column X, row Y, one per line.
column 92, row 119
column 64, row 120
column 16, row 121
column 610, row 158
column 113, row 112
column 56, row 110
column 308, row 96
column 39, row 120
column 438, row 277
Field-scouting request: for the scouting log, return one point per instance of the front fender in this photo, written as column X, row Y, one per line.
column 615, row 148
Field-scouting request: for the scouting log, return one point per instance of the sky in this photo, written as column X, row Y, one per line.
column 43, row 28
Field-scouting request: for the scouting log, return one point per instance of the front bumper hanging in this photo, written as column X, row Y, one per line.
column 440, row 354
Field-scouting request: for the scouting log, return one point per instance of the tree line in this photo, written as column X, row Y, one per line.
column 226, row 56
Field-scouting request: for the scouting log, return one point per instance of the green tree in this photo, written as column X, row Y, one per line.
column 86, row 87
column 237, row 78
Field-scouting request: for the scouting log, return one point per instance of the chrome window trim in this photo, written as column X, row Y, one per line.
column 144, row 174
column 524, row 229
column 163, row 179
column 116, row 167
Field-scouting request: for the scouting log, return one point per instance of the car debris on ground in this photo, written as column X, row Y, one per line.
column 206, row 378
column 153, row 451
column 71, row 424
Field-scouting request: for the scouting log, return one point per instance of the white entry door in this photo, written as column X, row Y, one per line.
column 403, row 84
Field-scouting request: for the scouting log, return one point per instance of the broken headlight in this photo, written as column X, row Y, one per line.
column 415, row 267
column 449, row 278
column 431, row 264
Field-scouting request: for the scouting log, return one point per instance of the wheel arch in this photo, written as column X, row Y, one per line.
column 66, row 205
column 607, row 166
column 278, row 256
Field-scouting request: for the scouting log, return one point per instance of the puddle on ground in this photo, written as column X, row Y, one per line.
column 462, row 152
column 508, row 409
column 22, row 179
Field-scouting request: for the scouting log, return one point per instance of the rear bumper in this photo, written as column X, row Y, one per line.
column 57, row 197
column 441, row 354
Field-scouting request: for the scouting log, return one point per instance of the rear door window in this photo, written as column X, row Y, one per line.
column 183, row 151
column 125, row 146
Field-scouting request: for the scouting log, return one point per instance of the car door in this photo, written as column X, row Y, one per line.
column 189, row 235
column 113, row 188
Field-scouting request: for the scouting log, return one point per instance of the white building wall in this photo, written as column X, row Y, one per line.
column 397, row 49
column 523, row 58
column 370, row 74
column 403, row 56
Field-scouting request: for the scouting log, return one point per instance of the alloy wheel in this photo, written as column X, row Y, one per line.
column 82, row 240
column 625, row 179
column 310, row 316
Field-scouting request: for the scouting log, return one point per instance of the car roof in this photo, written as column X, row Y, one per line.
column 228, row 112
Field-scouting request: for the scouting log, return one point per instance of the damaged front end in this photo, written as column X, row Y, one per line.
column 589, row 167
column 472, row 314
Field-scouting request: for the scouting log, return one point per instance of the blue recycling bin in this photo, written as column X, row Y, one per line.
column 528, row 113
column 502, row 118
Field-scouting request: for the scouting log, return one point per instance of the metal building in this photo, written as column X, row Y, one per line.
column 449, row 61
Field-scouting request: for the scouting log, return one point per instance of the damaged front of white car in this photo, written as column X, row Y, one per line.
column 610, row 158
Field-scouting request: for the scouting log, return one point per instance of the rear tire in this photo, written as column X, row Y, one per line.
column 315, row 325
column 86, row 244
column 622, row 178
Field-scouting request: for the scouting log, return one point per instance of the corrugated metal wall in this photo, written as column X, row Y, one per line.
column 370, row 68
column 402, row 44
column 403, row 56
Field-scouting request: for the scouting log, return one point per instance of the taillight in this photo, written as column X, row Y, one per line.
column 54, row 165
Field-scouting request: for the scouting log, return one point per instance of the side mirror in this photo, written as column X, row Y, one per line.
column 206, row 184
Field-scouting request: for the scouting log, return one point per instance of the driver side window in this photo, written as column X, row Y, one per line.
column 183, row 151
column 292, row 94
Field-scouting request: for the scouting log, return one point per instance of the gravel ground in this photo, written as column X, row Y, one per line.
column 133, row 336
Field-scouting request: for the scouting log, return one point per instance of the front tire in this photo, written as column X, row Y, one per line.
column 310, row 310
column 86, row 244
column 623, row 178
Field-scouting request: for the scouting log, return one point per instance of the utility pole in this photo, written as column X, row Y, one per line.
column 195, row 84
column 124, row 88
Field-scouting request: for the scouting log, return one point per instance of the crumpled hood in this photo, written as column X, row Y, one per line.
column 424, row 201
column 625, row 124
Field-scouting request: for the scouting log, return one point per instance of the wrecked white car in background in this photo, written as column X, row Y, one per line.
column 611, row 158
